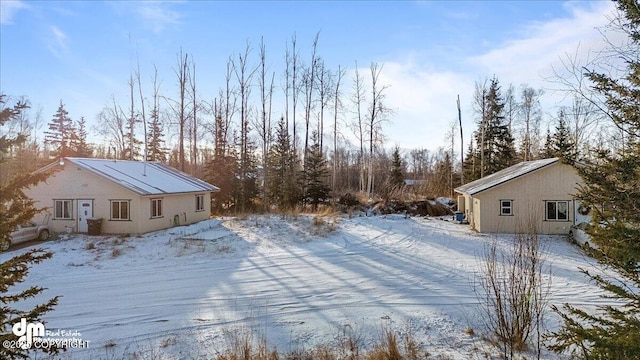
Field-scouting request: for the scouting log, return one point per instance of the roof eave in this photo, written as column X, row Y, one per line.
column 458, row 189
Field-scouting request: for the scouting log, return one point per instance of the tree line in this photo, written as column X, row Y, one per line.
column 327, row 141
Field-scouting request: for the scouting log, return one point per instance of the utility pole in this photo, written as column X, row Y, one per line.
column 461, row 144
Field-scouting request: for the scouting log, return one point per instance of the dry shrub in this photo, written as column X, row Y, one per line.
column 223, row 249
column 319, row 221
column 348, row 345
column 242, row 216
column 385, row 349
column 323, row 225
column 115, row 253
column 513, row 294
column 243, row 347
column 90, row 245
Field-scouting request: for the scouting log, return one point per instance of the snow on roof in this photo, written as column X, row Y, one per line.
column 504, row 175
column 151, row 178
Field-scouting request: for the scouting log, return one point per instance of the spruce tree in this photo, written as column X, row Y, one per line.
column 471, row 166
column 15, row 209
column 396, row 177
column 442, row 175
column 547, row 151
column 79, row 140
column 612, row 191
column 155, row 139
column 13, row 271
column 132, row 147
column 221, row 172
column 315, row 175
column 498, row 146
column 283, row 189
column 245, row 188
column 562, row 144
column 61, row 133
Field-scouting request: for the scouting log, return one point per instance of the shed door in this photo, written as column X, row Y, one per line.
column 85, row 211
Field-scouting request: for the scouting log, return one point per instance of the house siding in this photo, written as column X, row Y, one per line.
column 74, row 182
column 529, row 193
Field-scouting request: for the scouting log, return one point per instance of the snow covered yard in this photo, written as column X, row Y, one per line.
column 298, row 282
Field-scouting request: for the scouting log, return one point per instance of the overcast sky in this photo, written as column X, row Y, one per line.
column 431, row 51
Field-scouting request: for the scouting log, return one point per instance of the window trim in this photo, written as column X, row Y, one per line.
column 55, row 209
column 557, row 212
column 120, row 201
column 502, row 208
column 199, row 204
column 155, row 208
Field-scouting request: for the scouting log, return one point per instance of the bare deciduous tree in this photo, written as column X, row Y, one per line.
column 142, row 108
column 244, row 76
column 193, row 129
column 480, row 107
column 180, row 106
column 294, row 92
column 378, row 113
column 530, row 117
column 358, row 98
column 309, row 86
column 264, row 123
column 112, row 126
column 337, row 104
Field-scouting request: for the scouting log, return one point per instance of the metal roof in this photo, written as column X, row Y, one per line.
column 504, row 175
column 150, row 178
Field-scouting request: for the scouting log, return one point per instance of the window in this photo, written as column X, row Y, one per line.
column 506, row 207
column 62, row 209
column 120, row 210
column 557, row 210
column 199, row 202
column 156, row 208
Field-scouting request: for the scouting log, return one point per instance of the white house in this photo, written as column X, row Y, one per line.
column 125, row 197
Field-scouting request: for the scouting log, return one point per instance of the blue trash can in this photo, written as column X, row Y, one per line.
column 459, row 216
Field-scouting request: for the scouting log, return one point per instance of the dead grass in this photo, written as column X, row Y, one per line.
column 348, row 345
column 223, row 249
column 324, row 224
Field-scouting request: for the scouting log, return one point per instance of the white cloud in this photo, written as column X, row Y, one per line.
column 534, row 56
column 425, row 98
column 424, row 101
column 157, row 15
column 8, row 9
column 58, row 41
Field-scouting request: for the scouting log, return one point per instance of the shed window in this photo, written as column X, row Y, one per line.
column 63, row 209
column 200, row 202
column 557, row 210
column 506, row 207
column 156, row 208
column 120, row 210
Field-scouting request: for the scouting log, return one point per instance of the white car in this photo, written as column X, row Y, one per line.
column 24, row 233
column 578, row 235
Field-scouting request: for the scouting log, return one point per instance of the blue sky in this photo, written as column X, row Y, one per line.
column 83, row 52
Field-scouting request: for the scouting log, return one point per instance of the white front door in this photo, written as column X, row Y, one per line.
column 85, row 211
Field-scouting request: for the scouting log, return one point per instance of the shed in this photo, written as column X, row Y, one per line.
column 124, row 197
column 530, row 195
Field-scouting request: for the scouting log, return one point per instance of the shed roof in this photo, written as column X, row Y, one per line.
column 504, row 175
column 150, row 178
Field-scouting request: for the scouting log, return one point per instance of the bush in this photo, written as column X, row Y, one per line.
column 348, row 199
column 513, row 294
